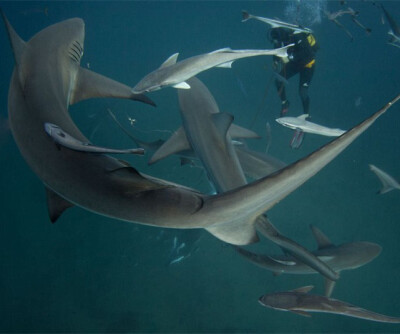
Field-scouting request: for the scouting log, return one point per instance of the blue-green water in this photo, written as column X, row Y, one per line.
column 88, row 273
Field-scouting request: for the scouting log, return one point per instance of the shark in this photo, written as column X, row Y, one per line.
column 299, row 301
column 175, row 74
column 394, row 31
column 275, row 23
column 388, row 182
column 350, row 255
column 301, row 123
column 47, row 78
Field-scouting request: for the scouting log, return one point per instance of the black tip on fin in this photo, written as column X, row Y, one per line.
column 143, row 98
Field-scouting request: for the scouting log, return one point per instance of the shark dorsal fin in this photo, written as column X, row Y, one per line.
column 18, row 46
column 176, row 143
column 222, row 121
column 304, row 289
column 322, row 240
column 56, row 205
column 221, row 50
column 303, row 117
column 236, row 131
column 171, row 60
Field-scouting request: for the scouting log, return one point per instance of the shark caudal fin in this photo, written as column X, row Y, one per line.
column 245, row 16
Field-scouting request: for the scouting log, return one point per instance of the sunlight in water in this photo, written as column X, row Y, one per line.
column 304, row 12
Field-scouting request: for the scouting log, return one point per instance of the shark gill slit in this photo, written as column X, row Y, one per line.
column 73, row 57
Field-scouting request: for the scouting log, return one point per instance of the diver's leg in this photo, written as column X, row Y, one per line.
column 286, row 73
column 306, row 75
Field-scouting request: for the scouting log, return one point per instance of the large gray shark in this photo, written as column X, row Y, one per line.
column 299, row 301
column 47, row 78
column 345, row 256
column 387, row 181
column 301, row 123
column 275, row 23
column 175, row 74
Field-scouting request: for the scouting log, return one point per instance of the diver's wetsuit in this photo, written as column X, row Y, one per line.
column 301, row 60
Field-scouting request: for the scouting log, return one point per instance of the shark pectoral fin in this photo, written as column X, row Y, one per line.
column 177, row 143
column 236, row 233
column 322, row 240
column 90, row 84
column 236, row 131
column 131, row 181
column 222, row 121
column 329, row 286
column 56, row 205
column 303, row 313
column 171, row 60
column 303, row 117
column 304, row 289
column 18, row 46
column 228, row 64
column 182, row 85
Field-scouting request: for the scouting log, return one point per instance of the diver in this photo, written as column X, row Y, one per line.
column 300, row 60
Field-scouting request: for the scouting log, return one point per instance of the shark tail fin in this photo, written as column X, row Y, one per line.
column 245, row 16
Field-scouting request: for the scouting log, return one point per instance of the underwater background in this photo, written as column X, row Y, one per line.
column 89, row 273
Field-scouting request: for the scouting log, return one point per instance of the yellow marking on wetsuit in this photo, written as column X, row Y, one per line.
column 310, row 64
column 311, row 39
